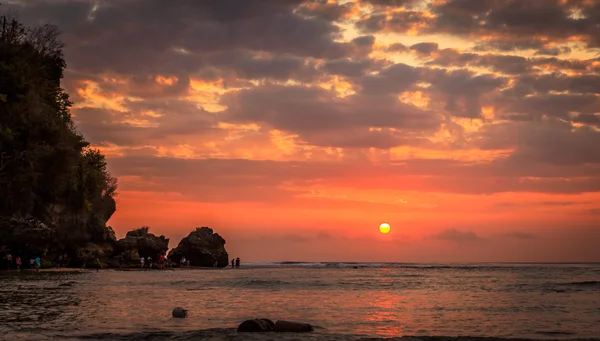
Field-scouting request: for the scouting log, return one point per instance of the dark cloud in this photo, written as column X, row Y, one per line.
column 325, row 10
column 546, row 141
column 553, row 51
column 462, row 91
column 144, row 122
column 392, row 3
column 321, row 118
column 458, row 236
column 591, row 119
column 425, row 48
column 506, row 25
column 531, row 106
column 397, row 47
column 177, row 40
column 392, row 79
column 513, row 19
column 399, row 22
column 350, row 68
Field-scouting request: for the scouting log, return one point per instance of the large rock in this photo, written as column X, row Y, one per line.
column 256, row 326
column 140, row 243
column 292, row 327
column 179, row 312
column 202, row 248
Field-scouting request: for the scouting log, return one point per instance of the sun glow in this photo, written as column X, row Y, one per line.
column 384, row 228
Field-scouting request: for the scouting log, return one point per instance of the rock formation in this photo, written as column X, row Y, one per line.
column 263, row 325
column 256, row 326
column 139, row 243
column 56, row 191
column 202, row 248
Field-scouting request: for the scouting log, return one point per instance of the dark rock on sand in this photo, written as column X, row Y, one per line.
column 292, row 327
column 179, row 312
column 140, row 243
column 256, row 326
column 202, row 248
column 67, row 284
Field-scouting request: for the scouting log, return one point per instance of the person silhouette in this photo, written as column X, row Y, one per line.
column 237, row 262
column 232, row 263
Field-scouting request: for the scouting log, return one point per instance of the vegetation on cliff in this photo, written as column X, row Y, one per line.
column 56, row 191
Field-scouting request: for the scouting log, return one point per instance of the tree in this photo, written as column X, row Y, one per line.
column 50, row 177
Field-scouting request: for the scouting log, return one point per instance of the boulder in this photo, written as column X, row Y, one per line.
column 202, row 248
column 179, row 312
column 292, row 327
column 256, row 326
column 139, row 243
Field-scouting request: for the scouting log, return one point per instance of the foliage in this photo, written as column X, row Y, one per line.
column 48, row 171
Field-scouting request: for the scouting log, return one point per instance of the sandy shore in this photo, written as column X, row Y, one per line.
column 318, row 335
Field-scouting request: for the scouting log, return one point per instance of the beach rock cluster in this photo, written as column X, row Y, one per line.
column 139, row 243
column 263, row 325
column 201, row 247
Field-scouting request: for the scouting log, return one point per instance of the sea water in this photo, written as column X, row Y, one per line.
column 539, row 301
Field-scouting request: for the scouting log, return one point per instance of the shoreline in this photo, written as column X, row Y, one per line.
column 320, row 334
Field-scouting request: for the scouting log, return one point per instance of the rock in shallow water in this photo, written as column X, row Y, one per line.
column 256, row 326
column 179, row 312
column 292, row 327
column 202, row 248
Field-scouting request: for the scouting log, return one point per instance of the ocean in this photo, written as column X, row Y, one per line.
column 347, row 300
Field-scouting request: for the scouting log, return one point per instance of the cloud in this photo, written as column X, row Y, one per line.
column 519, row 235
column 195, row 29
column 425, row 48
column 513, row 20
column 342, row 106
column 553, row 51
column 458, row 236
column 322, row 119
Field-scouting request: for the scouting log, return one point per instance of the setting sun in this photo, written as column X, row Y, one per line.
column 384, row 228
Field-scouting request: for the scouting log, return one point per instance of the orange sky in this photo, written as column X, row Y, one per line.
column 294, row 128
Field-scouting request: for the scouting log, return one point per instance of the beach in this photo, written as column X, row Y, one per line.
column 346, row 301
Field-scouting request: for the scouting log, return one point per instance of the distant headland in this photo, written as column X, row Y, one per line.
column 57, row 192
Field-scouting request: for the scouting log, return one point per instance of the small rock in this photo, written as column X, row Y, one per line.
column 179, row 312
column 256, row 326
column 292, row 327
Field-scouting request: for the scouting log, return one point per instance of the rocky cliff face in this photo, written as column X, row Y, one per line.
column 202, row 248
column 139, row 243
column 56, row 193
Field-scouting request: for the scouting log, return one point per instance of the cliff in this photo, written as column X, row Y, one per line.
column 57, row 193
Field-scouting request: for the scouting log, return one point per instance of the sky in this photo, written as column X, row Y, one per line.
column 293, row 128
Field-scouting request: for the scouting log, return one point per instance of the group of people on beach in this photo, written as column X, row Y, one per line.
column 162, row 259
column 145, row 262
column 17, row 262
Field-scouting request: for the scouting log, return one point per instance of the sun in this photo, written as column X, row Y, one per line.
column 384, row 228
